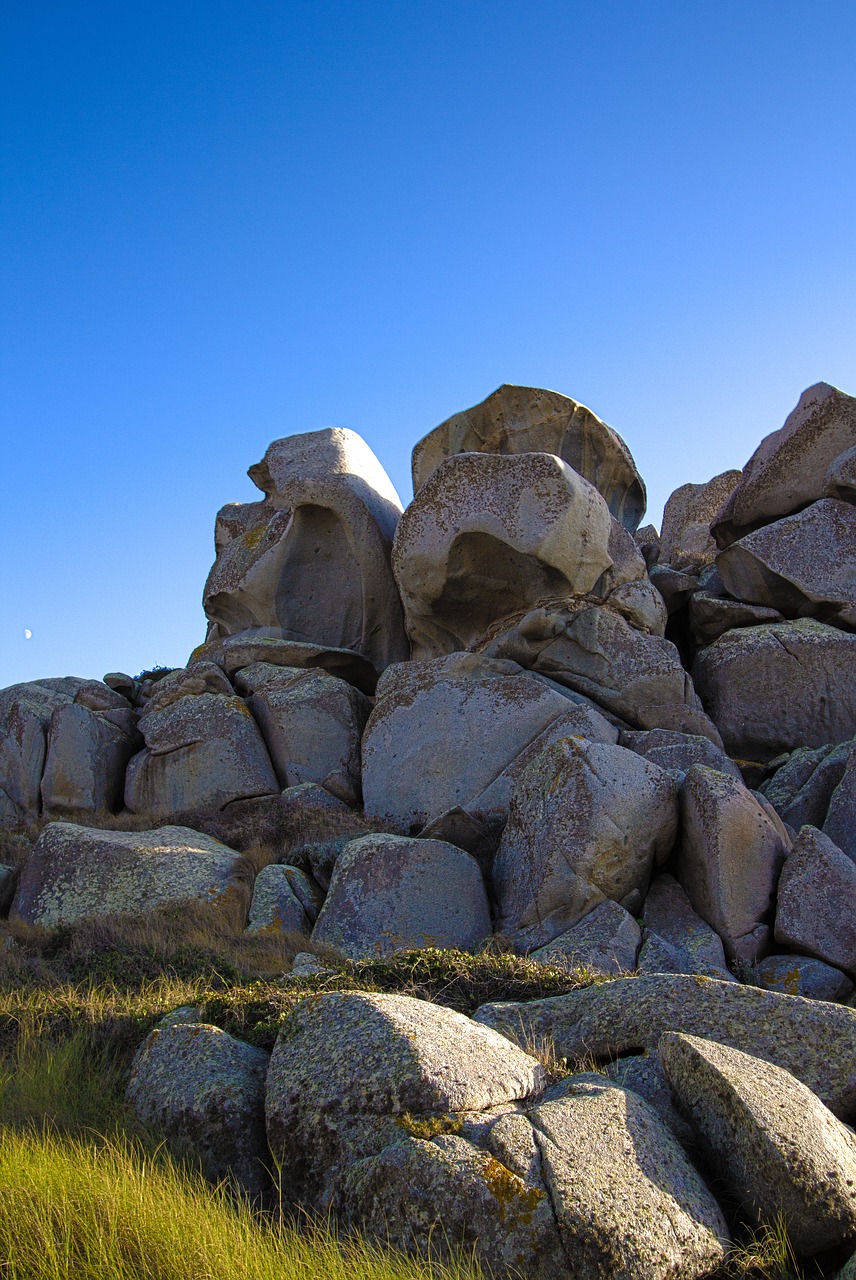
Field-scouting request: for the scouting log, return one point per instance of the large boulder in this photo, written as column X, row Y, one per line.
column 677, row 751
column 311, row 722
column 204, row 1090
column 710, row 616
column 685, row 538
column 311, row 561
column 390, row 893
column 814, row 1040
column 779, row 1149
column 597, row 651
column 89, row 744
column 803, row 976
column 515, row 420
column 415, row 1059
column 587, row 822
column 489, row 536
column 455, row 733
column 803, row 565
column 605, row 941
column 203, row 751
column 265, row 644
column 774, row 688
column 26, row 711
column 729, row 858
column 285, row 899
column 77, row 872
column 816, row 899
column 840, row 821
column 677, row 939
column 804, row 781
column 788, row 469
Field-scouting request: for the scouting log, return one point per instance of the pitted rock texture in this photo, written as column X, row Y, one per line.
column 670, row 922
column 802, row 786
column 311, row 561
column 781, row 1151
column 812, row 1039
column 75, row 873
column 605, row 941
column 816, row 901
column 795, row 975
column 205, row 1091
column 685, row 538
column 284, row 899
column 515, row 420
column 587, row 822
column 390, row 893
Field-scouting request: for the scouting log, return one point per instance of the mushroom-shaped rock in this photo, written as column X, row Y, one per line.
column 587, row 822
column 389, row 893
column 311, row 723
column 455, row 732
column 627, row 1200
column 414, row 1059
column 774, row 688
column 515, row 420
column 730, row 855
column 685, row 538
column 803, row 565
column 312, row 560
column 814, row 1040
column 77, row 872
column 205, row 1091
column 780, row 1150
column 488, row 536
column 788, row 469
column 816, row 899
column 202, row 751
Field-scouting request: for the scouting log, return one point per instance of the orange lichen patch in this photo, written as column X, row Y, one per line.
column 513, row 1196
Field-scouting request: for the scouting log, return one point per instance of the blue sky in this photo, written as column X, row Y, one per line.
column 222, row 223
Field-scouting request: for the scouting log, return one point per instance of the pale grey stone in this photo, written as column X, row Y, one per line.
column 643, row 1074
column 678, row 751
column 76, row 872
column 87, row 754
column 587, row 822
column 813, row 1039
column 774, row 688
column 516, row 420
column 205, row 1091
column 266, row 644
column 711, row 616
column 25, row 715
column 390, row 893
column 841, row 477
column 728, row 859
column 781, row 1151
column 816, row 900
column 284, row 898
column 685, row 537
column 669, row 917
column 605, row 941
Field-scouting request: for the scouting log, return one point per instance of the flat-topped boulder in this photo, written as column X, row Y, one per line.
column 517, row 420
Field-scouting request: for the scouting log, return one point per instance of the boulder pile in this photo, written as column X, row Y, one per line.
column 521, row 715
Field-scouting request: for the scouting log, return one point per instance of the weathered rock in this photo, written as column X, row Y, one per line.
column 780, row 1150
column 728, row 860
column 77, row 872
column 817, row 894
column 841, row 477
column 451, row 733
column 25, row 716
column 433, row 1198
column 284, row 898
column 389, row 893
column 685, row 537
column 515, row 420
column 788, row 469
column 265, row 644
column 802, row 976
column 627, row 1200
column 648, row 542
column 88, row 749
column 840, row 821
column 312, row 560
column 669, row 915
column 677, row 587
column 774, row 688
column 644, row 1074
column 677, row 751
column 205, row 1091
column 814, row 1040
column 202, row 752
column 489, row 536
column 711, row 616
column 803, row 565
column 595, row 651
column 605, row 941
column 801, row 788
column 415, row 1058
column 312, row 724
column 587, row 822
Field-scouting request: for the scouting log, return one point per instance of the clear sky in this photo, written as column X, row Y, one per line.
column 225, row 222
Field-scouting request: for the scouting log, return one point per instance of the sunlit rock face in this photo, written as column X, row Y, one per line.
column 311, row 561
column 531, row 420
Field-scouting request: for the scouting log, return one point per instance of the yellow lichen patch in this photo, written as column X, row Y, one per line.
column 428, row 1127
column 511, row 1193
column 254, row 536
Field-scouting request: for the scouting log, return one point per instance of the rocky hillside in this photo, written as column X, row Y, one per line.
column 508, row 717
